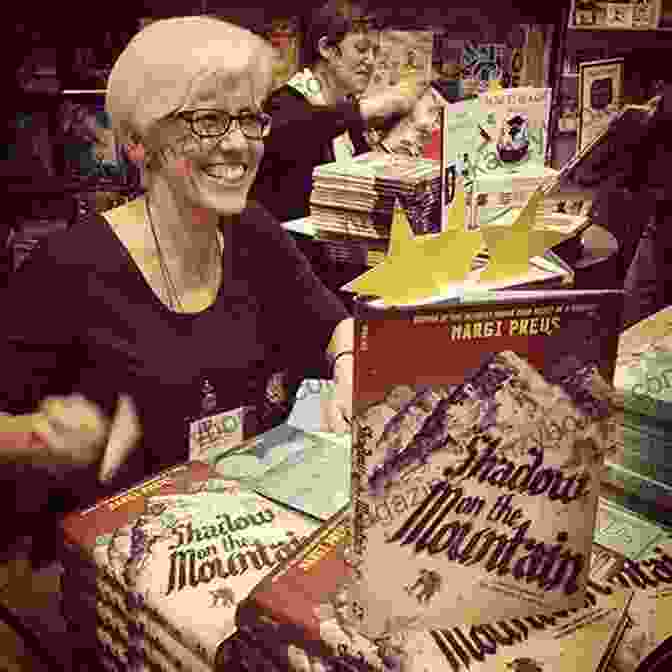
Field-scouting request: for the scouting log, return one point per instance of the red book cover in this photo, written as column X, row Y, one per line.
column 490, row 473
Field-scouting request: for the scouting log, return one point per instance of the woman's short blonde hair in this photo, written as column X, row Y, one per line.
column 159, row 67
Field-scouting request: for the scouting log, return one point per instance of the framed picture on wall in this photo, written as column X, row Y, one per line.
column 600, row 97
column 622, row 15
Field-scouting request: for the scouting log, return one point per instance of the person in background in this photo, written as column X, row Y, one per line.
column 183, row 306
column 319, row 115
column 411, row 135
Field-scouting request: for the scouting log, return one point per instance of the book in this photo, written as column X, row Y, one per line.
column 650, row 611
column 626, row 534
column 499, row 132
column 300, row 616
column 646, row 495
column 503, row 445
column 301, row 470
column 638, row 474
column 644, row 367
column 404, row 59
column 169, row 559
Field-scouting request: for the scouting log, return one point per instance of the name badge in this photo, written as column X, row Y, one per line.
column 216, row 433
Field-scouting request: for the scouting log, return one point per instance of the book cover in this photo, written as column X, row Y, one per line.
column 284, row 36
column 503, row 443
column 182, row 549
column 303, row 604
column 304, row 471
column 498, row 133
column 625, row 533
column 303, row 620
column 404, row 59
column 646, row 496
column 644, row 366
column 650, row 611
column 501, row 134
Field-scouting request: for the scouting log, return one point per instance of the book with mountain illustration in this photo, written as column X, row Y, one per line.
column 491, row 469
column 300, row 617
column 647, row 638
column 164, row 564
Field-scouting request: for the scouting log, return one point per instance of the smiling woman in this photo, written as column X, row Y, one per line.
column 185, row 302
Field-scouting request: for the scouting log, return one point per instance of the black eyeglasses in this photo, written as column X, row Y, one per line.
column 216, row 123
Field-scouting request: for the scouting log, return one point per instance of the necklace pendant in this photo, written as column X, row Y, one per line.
column 209, row 398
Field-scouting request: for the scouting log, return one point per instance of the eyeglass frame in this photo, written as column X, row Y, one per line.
column 266, row 120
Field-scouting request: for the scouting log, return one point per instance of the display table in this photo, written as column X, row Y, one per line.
column 613, row 526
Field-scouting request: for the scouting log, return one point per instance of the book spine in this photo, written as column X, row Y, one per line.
column 635, row 491
column 286, row 599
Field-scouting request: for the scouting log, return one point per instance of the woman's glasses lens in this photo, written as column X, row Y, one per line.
column 213, row 124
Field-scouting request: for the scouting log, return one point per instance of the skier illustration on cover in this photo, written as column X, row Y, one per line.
column 524, row 665
column 429, row 582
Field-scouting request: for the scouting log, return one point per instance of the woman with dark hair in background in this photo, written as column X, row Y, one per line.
column 320, row 117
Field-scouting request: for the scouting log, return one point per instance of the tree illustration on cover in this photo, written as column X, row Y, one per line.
column 130, row 547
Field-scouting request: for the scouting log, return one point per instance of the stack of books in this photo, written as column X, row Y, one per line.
column 301, row 618
column 354, row 200
column 639, row 475
column 152, row 576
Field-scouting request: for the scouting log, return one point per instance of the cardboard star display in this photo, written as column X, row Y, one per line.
column 512, row 246
column 418, row 267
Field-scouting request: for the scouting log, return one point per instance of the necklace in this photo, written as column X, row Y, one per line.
column 172, row 294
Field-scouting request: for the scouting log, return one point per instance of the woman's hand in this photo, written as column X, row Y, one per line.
column 390, row 102
column 74, row 432
column 339, row 401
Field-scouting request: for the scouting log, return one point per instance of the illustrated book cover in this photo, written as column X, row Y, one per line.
column 499, row 451
column 404, row 59
column 644, row 367
column 501, row 134
column 649, row 614
column 301, row 618
column 302, row 470
column 169, row 560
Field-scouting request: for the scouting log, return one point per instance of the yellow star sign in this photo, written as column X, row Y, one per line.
column 511, row 246
column 417, row 268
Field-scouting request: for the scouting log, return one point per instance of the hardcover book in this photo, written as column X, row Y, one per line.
column 300, row 617
column 496, row 458
column 649, row 623
column 497, row 138
column 404, row 59
column 171, row 558
column 499, row 132
column 644, row 366
column 304, row 471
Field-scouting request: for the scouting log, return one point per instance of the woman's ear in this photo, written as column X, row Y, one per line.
column 327, row 51
column 136, row 152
